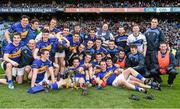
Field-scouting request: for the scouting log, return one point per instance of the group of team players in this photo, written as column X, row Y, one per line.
column 62, row 59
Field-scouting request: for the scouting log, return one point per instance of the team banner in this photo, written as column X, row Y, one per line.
column 27, row 10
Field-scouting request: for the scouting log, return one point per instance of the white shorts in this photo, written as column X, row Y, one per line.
column 119, row 77
column 20, row 71
column 44, row 80
column 15, row 71
column 60, row 54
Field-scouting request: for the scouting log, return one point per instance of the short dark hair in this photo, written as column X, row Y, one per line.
column 92, row 29
column 133, row 46
column 98, row 54
column 111, row 41
column 53, row 18
column 154, row 19
column 24, row 16
column 108, row 58
column 121, row 49
column 34, row 20
column 42, row 51
column 163, row 42
column 102, row 61
column 65, row 26
column 16, row 34
column 99, row 39
column 76, row 58
column 78, row 24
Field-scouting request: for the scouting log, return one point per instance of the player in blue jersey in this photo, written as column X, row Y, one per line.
column 91, row 35
column 33, row 31
column 112, row 50
column 128, row 78
column 53, row 26
column 79, row 76
column 89, row 47
column 12, row 54
column 110, row 64
column 99, row 49
column 74, row 43
column 121, row 39
column 96, row 80
column 46, row 43
column 21, row 27
column 42, row 68
column 77, row 30
column 62, row 44
column 97, row 60
column 79, row 53
column 86, row 63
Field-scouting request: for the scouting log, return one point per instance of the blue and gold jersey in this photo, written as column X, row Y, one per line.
column 31, row 35
column 101, row 50
column 113, row 52
column 54, row 31
column 79, row 74
column 72, row 43
column 13, row 51
column 91, row 51
column 88, row 37
column 121, row 41
column 42, row 67
column 109, row 76
column 49, row 45
column 17, row 27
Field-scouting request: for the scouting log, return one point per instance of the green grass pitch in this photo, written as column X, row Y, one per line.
column 107, row 98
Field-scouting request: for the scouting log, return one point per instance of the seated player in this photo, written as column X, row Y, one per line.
column 97, row 60
column 42, row 69
column 86, row 63
column 12, row 54
column 165, row 64
column 79, row 76
column 110, row 64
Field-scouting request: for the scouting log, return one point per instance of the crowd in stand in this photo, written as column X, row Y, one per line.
column 94, row 4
